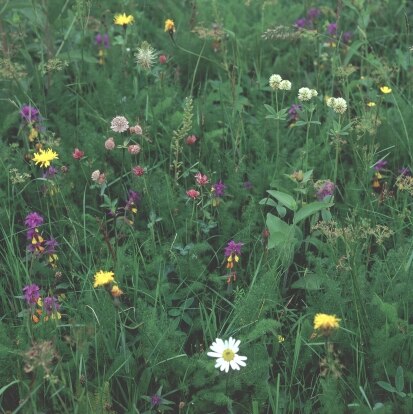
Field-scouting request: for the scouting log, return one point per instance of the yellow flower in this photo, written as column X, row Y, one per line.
column 326, row 323
column 169, row 26
column 33, row 134
column 280, row 339
column 123, row 20
column 371, row 104
column 385, row 89
column 116, row 291
column 43, row 157
column 103, row 278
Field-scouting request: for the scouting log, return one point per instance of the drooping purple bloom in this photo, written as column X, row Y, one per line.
column 50, row 246
column 233, row 248
column 31, row 294
column 346, row 38
column 301, row 23
column 98, row 39
column 293, row 112
column 325, row 189
column 33, row 220
column 405, row 171
column 219, row 189
column 313, row 13
column 106, row 41
column 332, row 29
column 29, row 113
column 155, row 400
column 51, row 304
column 379, row 165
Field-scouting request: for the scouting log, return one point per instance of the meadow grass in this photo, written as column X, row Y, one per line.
column 180, row 176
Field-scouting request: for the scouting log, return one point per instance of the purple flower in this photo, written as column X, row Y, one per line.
column 293, row 112
column 313, row 13
column 347, row 37
column 301, row 23
column 219, row 188
column 98, row 39
column 248, row 185
column 31, row 294
column 29, row 113
column 50, row 172
column 134, row 197
column 405, row 171
column 33, row 220
column 379, row 165
column 324, row 189
column 51, row 304
column 155, row 400
column 106, row 41
column 50, row 246
column 332, row 29
column 233, row 248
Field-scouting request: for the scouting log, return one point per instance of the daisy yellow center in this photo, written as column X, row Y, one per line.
column 228, row 355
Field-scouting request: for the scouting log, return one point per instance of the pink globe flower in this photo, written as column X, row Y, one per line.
column 134, row 149
column 78, row 154
column 110, row 144
column 163, row 59
column 137, row 129
column 201, row 179
column 191, row 139
column 193, row 193
column 138, row 171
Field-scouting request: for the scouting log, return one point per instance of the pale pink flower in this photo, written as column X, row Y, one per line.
column 191, row 139
column 134, row 149
column 162, row 59
column 137, row 129
column 193, row 193
column 138, row 171
column 95, row 175
column 119, row 124
column 201, row 179
column 110, row 144
column 102, row 179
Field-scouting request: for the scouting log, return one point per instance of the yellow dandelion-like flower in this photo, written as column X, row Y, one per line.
column 123, row 20
column 43, row 157
column 326, row 323
column 371, row 104
column 102, row 278
column 385, row 89
column 169, row 26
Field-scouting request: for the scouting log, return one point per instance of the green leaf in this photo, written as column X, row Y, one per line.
column 268, row 202
column 281, row 233
column 270, row 109
column 284, row 199
column 386, row 386
column 308, row 282
column 309, row 209
column 399, row 379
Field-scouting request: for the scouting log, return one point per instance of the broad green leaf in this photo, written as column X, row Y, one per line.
column 270, row 109
column 268, row 202
column 309, row 209
column 280, row 232
column 284, row 199
column 399, row 379
column 386, row 386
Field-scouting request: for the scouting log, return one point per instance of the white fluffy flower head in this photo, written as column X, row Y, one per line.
column 305, row 94
column 119, row 124
column 226, row 354
column 285, row 85
column 275, row 81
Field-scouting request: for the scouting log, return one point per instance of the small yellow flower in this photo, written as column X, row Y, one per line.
column 43, row 157
column 123, row 20
column 385, row 89
column 169, row 26
column 326, row 323
column 103, row 278
column 371, row 104
column 280, row 339
column 116, row 291
column 33, row 134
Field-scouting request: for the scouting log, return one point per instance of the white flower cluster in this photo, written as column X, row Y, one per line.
column 339, row 105
column 305, row 94
column 277, row 82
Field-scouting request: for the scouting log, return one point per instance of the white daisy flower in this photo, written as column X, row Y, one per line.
column 226, row 354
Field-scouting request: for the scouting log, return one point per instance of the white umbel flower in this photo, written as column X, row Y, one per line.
column 119, row 124
column 226, row 354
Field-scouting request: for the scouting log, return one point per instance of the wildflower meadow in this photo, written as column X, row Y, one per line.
column 206, row 206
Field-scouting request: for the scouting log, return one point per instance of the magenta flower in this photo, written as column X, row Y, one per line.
column 155, row 400
column 347, row 37
column 332, row 29
column 31, row 294
column 50, row 246
column 33, row 220
column 106, row 41
column 29, row 113
column 313, row 13
column 233, row 248
column 51, row 304
column 219, row 189
column 405, row 171
column 98, row 39
column 293, row 112
column 324, row 189
column 301, row 23
column 380, row 165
